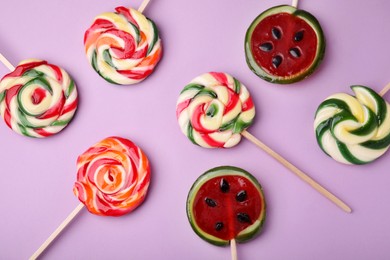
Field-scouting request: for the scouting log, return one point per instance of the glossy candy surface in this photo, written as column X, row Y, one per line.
column 284, row 44
column 123, row 47
column 37, row 99
column 226, row 203
column 113, row 177
column 353, row 129
column 213, row 110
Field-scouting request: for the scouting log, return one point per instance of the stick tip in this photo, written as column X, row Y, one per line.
column 346, row 208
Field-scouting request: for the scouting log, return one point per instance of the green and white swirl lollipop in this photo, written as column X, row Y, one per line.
column 354, row 129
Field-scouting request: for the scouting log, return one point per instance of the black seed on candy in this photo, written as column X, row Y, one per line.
column 266, row 47
column 276, row 33
column 241, row 196
column 218, row 226
column 295, row 52
column 276, row 61
column 224, row 185
column 210, row 202
column 298, row 36
column 243, row 218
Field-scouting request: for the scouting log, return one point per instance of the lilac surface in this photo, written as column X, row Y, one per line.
column 198, row 36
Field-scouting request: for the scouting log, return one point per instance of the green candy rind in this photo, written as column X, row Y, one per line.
column 310, row 19
column 245, row 235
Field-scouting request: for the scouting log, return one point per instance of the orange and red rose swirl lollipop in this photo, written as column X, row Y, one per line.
column 113, row 177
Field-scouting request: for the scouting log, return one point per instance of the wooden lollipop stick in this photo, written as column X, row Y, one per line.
column 295, row 3
column 57, row 231
column 233, row 249
column 298, row 172
column 385, row 89
column 6, row 63
column 143, row 6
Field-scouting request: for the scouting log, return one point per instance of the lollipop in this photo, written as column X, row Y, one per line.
column 113, row 178
column 123, row 47
column 226, row 204
column 284, row 44
column 37, row 99
column 354, row 129
column 215, row 109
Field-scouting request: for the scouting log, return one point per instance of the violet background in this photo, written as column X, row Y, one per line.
column 37, row 175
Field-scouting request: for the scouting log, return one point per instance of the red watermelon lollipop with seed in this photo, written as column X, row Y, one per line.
column 226, row 204
column 284, row 44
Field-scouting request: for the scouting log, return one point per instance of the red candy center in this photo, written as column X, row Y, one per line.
column 284, row 44
column 38, row 95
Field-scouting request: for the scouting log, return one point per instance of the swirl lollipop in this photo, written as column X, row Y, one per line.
column 113, row 178
column 123, row 47
column 354, row 129
column 214, row 110
column 37, row 99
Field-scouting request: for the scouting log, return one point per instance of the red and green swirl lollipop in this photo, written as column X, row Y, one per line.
column 37, row 98
column 284, row 44
column 124, row 46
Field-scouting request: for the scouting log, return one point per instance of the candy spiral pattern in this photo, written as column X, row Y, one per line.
column 123, row 47
column 37, row 99
column 112, row 177
column 213, row 110
column 353, row 129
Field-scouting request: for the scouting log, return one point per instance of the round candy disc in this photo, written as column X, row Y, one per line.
column 226, row 203
column 353, row 129
column 123, row 47
column 213, row 110
column 112, row 177
column 37, row 99
column 284, row 44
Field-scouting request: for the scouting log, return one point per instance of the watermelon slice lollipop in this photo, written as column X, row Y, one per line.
column 226, row 204
column 284, row 44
